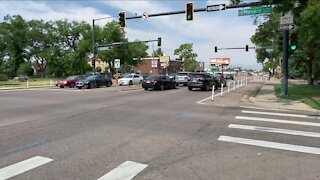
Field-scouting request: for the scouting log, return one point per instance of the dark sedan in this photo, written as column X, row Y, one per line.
column 70, row 81
column 94, row 81
column 160, row 82
column 203, row 81
column 220, row 79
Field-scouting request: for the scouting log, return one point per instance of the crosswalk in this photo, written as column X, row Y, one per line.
column 275, row 119
column 126, row 171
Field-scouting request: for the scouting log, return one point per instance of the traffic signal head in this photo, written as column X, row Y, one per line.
column 159, row 41
column 189, row 11
column 280, row 43
column 122, row 19
column 293, row 42
column 247, row 47
column 215, row 49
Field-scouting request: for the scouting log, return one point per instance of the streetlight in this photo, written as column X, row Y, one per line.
column 94, row 39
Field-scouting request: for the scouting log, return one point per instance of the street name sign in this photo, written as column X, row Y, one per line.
column 117, row 63
column 103, row 48
column 217, row 7
column 253, row 11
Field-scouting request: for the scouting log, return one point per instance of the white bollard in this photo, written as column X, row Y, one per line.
column 238, row 83
column 212, row 94
column 228, row 84
column 27, row 83
column 51, row 83
column 221, row 89
column 234, row 85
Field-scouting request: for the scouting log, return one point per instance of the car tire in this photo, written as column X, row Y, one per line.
column 174, row 86
column 71, row 85
column 185, row 84
column 91, row 86
column 161, row 87
column 190, row 88
column 108, row 84
column 79, row 87
column 146, row 89
column 130, row 83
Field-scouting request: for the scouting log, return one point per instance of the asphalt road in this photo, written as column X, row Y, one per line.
column 85, row 134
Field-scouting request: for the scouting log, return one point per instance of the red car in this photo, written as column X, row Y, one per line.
column 70, row 81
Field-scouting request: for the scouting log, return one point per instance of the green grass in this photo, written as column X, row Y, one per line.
column 34, row 82
column 256, row 91
column 307, row 94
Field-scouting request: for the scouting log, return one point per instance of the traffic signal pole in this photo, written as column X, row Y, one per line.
column 93, row 48
column 285, row 59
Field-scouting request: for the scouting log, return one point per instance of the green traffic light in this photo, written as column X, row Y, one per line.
column 293, row 47
column 189, row 17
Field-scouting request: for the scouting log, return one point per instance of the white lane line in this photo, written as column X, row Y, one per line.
column 281, row 114
column 126, row 171
column 275, row 130
column 252, row 107
column 278, row 121
column 23, row 166
column 269, row 144
column 176, row 91
column 200, row 102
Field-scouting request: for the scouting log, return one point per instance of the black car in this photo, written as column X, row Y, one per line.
column 229, row 76
column 94, row 81
column 160, row 82
column 203, row 81
column 220, row 79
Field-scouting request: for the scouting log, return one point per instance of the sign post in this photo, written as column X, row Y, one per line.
column 117, row 66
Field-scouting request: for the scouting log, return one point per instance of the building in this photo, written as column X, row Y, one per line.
column 152, row 65
column 100, row 65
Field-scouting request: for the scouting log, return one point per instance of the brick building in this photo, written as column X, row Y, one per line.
column 152, row 65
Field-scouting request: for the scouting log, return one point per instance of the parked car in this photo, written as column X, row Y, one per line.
column 70, row 81
column 160, row 82
column 220, row 79
column 131, row 79
column 203, row 81
column 229, row 76
column 182, row 78
column 94, row 81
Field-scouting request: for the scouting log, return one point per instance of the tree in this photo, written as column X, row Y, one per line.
column 157, row 53
column 185, row 53
column 25, row 69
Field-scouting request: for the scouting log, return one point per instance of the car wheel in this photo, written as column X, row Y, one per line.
column 190, row 88
column 71, row 85
column 130, row 83
column 79, row 87
column 91, row 86
column 206, row 88
column 174, row 86
column 185, row 84
column 146, row 89
column 161, row 87
column 108, row 84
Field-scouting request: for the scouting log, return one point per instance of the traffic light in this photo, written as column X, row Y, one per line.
column 247, row 47
column 215, row 49
column 122, row 19
column 159, row 41
column 293, row 42
column 189, row 11
column 280, row 43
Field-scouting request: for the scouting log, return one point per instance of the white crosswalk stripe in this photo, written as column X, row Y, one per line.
column 23, row 166
column 271, row 144
column 275, row 130
column 126, row 171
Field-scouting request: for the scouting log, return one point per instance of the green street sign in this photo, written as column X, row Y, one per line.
column 253, row 11
column 214, row 69
column 269, row 50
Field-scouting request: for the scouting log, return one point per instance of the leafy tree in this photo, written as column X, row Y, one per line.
column 25, row 69
column 185, row 52
column 158, row 52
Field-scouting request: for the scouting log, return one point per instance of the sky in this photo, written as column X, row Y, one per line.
column 224, row 29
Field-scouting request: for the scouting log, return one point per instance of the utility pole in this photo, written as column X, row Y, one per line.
column 93, row 48
column 285, row 68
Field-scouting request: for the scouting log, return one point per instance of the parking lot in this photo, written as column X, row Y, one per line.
column 53, row 133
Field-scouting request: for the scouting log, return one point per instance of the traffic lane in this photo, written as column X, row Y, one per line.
column 69, row 132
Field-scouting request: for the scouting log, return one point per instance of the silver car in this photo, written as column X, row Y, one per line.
column 182, row 78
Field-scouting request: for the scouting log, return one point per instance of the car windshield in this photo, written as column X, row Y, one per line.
column 72, row 78
column 153, row 78
column 128, row 76
column 182, row 74
column 91, row 77
column 196, row 75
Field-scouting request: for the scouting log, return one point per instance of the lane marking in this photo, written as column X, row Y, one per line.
column 281, row 114
column 175, row 91
column 126, row 171
column 275, row 130
column 26, row 146
column 277, row 121
column 269, row 144
column 23, row 166
column 252, row 107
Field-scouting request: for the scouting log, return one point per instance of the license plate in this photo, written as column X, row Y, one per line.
column 181, row 78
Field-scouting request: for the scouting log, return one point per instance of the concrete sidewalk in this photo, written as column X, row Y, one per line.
column 267, row 99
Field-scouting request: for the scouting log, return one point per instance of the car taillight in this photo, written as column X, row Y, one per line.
column 65, row 82
column 154, row 81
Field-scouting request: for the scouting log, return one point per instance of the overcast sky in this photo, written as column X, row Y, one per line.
column 209, row 29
